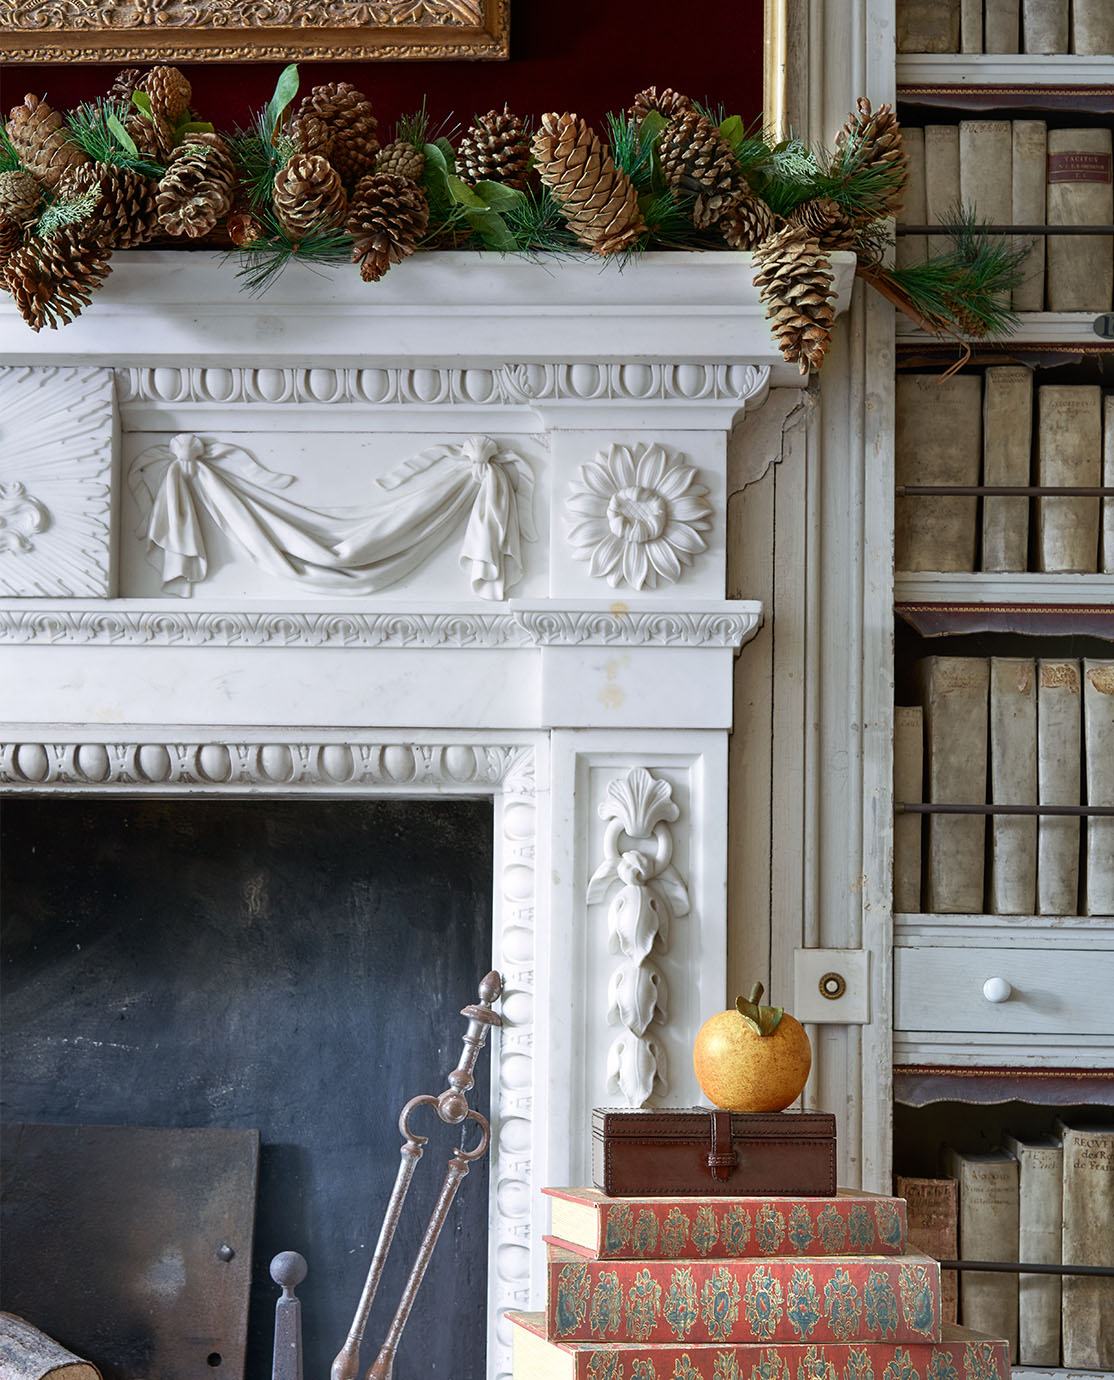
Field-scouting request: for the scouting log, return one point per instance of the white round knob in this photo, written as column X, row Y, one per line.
column 997, row 990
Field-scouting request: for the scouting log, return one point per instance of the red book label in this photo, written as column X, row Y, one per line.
column 1079, row 167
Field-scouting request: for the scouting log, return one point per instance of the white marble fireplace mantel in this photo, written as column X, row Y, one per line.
column 461, row 532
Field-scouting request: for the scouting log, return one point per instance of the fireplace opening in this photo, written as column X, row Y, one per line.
column 293, row 968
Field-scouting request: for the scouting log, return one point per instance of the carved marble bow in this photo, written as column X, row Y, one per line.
column 355, row 550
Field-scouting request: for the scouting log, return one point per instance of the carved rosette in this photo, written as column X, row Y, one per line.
column 638, row 516
column 646, row 893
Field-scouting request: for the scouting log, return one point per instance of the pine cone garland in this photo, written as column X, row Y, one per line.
column 598, row 201
column 827, row 222
column 348, row 116
column 21, row 195
column 197, row 188
column 169, row 92
column 127, row 209
column 872, row 139
column 387, row 218
column 308, row 195
column 495, row 148
column 153, row 135
column 795, row 280
column 667, row 102
column 402, row 159
column 697, row 159
column 42, row 141
column 52, row 279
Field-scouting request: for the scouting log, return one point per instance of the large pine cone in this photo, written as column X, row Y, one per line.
column 667, row 102
column 53, row 278
column 196, row 190
column 308, row 195
column 747, row 222
column 11, row 237
column 871, row 139
column 125, row 84
column 152, row 134
column 387, row 218
column 402, row 159
column 348, row 115
column 309, row 134
column 697, row 159
column 827, row 222
column 169, row 92
column 795, row 279
column 21, row 195
column 42, row 141
column 495, row 148
column 599, row 202
column 127, row 209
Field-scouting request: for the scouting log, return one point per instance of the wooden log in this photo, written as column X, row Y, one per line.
column 28, row 1354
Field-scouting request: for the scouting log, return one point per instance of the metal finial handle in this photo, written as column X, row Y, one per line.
column 288, row 1269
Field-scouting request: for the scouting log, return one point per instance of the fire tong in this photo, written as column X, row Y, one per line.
column 289, row 1269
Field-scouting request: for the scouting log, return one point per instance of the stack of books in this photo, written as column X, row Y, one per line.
column 748, row 1288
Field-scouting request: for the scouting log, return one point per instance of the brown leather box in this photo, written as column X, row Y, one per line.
column 700, row 1150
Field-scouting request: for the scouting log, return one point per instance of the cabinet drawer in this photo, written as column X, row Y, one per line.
column 1050, row 991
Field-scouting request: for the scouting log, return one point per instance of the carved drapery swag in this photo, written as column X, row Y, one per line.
column 349, row 550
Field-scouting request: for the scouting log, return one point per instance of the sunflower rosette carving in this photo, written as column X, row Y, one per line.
column 638, row 516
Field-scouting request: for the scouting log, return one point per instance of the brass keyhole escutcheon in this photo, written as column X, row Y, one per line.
column 832, row 986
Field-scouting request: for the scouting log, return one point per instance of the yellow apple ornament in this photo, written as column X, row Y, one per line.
column 753, row 1058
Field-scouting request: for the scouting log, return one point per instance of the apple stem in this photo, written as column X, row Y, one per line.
column 756, row 993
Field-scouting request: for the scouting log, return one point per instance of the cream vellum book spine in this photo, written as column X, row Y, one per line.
column 1098, row 738
column 927, row 26
column 1044, row 26
column 989, row 1207
column 954, row 695
column 913, row 249
column 1059, row 782
column 1080, row 268
column 909, row 790
column 986, row 169
column 1040, row 1228
column 970, row 26
column 1007, row 457
column 1087, row 1317
column 1069, row 455
column 1108, row 483
column 938, row 440
column 941, row 180
column 1030, row 157
column 1002, row 26
column 1013, row 781
column 1092, row 24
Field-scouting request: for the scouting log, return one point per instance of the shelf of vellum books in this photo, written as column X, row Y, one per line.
column 1031, row 603
column 1017, row 80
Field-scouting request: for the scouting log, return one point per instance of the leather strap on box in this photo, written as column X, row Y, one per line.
column 722, row 1157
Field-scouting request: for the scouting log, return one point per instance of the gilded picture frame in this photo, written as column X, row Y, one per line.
column 126, row 31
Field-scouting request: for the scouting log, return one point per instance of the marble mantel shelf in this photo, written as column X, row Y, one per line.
column 167, row 307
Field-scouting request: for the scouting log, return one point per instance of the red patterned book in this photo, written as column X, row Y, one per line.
column 961, row 1355
column 602, row 1228
column 810, row 1299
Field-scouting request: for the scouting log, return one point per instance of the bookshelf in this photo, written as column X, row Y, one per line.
column 956, row 73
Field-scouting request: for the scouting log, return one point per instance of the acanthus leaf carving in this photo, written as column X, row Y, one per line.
column 21, row 516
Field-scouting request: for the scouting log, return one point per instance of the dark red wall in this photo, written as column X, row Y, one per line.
column 584, row 55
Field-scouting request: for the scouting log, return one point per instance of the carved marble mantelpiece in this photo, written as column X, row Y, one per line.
column 460, row 533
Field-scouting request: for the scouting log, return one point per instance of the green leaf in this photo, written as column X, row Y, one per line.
column 497, row 195
column 763, row 1020
column 464, row 195
column 142, row 101
column 652, row 126
column 121, row 135
column 195, row 127
column 492, row 229
column 286, row 88
column 434, row 158
column 733, row 129
column 448, row 153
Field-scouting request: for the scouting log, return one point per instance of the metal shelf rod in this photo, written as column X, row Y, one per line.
column 1097, row 811
column 1012, row 1267
column 1006, row 490
column 1009, row 229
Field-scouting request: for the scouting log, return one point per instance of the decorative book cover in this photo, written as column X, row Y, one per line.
column 811, row 1299
column 602, row 1228
column 960, row 1355
column 933, row 1212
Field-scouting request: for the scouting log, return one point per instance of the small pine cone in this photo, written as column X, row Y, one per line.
column 11, row 237
column 387, row 218
column 310, row 135
column 402, row 159
column 127, row 210
column 827, row 222
column 968, row 323
column 668, row 103
column 348, row 116
column 21, row 195
column 125, row 84
column 243, row 228
column 309, row 195
column 599, row 202
column 52, row 279
column 795, row 280
column 169, row 92
column 747, row 222
column 197, row 188
column 153, row 135
column 42, row 141
column 696, row 158
column 495, row 148
column 873, row 139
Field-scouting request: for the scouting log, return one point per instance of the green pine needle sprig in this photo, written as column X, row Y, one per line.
column 91, row 128
column 9, row 159
column 261, row 152
column 632, row 148
column 263, row 261
column 67, row 211
column 538, row 226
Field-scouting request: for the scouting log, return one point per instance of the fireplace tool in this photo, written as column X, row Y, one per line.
column 289, row 1269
